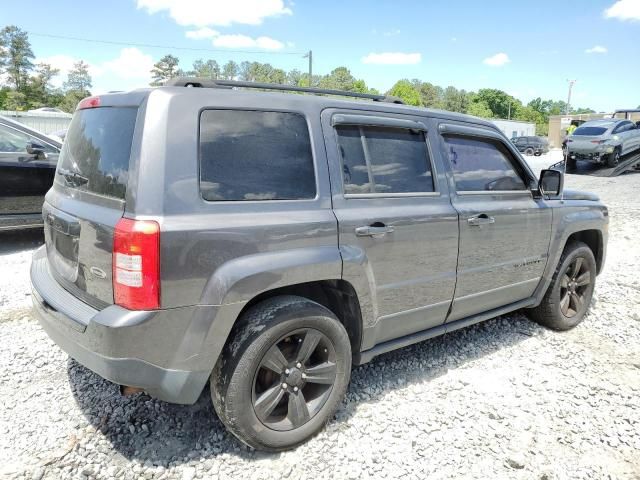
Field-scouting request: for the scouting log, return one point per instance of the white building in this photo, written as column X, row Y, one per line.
column 515, row 128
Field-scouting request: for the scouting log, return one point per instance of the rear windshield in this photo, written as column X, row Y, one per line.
column 96, row 150
column 590, row 130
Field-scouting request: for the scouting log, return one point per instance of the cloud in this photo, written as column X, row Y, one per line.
column 243, row 41
column 201, row 13
column 131, row 65
column 391, row 33
column 201, row 33
column 497, row 60
column 596, row 49
column 392, row 58
column 624, row 10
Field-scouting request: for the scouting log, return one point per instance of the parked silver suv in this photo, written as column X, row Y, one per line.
column 603, row 141
column 270, row 241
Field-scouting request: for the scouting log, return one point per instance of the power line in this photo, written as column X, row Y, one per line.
column 165, row 47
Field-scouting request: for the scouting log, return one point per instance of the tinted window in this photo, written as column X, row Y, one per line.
column 480, row 164
column 95, row 154
column 248, row 155
column 384, row 160
column 590, row 130
column 15, row 141
column 623, row 127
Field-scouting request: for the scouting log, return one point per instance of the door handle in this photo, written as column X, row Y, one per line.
column 482, row 219
column 373, row 230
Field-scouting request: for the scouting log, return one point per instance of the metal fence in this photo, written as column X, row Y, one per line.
column 45, row 122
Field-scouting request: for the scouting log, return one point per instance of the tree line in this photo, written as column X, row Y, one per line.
column 27, row 86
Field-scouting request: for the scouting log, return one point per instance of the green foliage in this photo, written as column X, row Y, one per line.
column 15, row 101
column 78, row 79
column 164, row 69
column 407, row 92
column 230, row 70
column 209, row 69
column 479, row 109
column 15, row 56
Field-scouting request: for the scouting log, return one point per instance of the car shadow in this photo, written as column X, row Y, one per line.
column 15, row 241
column 148, row 430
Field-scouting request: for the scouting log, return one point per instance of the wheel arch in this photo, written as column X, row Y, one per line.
column 594, row 240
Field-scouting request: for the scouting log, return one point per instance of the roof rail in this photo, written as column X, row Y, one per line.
column 209, row 83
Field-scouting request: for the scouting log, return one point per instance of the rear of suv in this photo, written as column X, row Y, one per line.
column 267, row 242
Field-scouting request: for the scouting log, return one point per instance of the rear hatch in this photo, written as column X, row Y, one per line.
column 585, row 139
column 88, row 199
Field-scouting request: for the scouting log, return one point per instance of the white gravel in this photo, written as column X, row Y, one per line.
column 503, row 399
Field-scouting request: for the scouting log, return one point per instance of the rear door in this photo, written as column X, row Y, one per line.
column 627, row 137
column 398, row 231
column 88, row 199
column 24, row 177
column 504, row 230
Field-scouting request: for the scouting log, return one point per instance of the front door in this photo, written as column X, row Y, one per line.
column 504, row 230
column 398, row 231
column 24, row 177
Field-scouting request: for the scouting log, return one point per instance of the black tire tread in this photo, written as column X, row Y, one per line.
column 546, row 314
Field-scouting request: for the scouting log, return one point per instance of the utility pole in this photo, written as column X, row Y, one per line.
column 571, row 82
column 309, row 55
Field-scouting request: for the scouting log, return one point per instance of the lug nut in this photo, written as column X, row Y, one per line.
column 304, row 375
column 295, row 389
column 298, row 365
column 284, row 385
column 286, row 372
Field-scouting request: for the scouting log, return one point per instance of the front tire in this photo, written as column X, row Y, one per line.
column 529, row 151
column 569, row 295
column 283, row 373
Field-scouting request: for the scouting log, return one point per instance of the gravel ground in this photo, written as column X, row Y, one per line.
column 503, row 399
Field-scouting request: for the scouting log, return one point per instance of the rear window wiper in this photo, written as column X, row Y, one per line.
column 73, row 178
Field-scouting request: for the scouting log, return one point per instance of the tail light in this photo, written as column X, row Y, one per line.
column 89, row 102
column 136, row 264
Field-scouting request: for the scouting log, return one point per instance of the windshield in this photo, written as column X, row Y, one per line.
column 594, row 131
column 95, row 154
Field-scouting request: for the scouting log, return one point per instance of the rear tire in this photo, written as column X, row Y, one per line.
column 283, row 373
column 529, row 151
column 572, row 164
column 568, row 297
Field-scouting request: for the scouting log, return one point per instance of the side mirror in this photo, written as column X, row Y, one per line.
column 36, row 149
column 551, row 182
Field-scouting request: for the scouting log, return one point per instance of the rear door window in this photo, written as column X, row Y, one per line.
column 384, row 160
column 255, row 155
column 481, row 164
column 95, row 154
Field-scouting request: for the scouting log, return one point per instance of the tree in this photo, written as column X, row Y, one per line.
column 479, row 109
column 15, row 100
column 209, row 69
column 431, row 95
column 39, row 90
column 455, row 100
column 339, row 79
column 15, row 56
column 406, row 91
column 230, row 70
column 78, row 79
column 164, row 69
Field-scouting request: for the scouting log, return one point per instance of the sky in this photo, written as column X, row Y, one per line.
column 527, row 48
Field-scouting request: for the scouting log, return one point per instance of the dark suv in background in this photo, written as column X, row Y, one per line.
column 267, row 242
column 531, row 145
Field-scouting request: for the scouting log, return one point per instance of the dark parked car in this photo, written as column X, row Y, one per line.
column 531, row 145
column 267, row 242
column 28, row 161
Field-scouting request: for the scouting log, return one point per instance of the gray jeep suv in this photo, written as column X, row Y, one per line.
column 268, row 241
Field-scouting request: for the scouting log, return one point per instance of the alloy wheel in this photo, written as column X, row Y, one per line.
column 294, row 379
column 574, row 286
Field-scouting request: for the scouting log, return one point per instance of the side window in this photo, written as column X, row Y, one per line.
column 481, row 164
column 623, row 127
column 384, row 160
column 254, row 155
column 15, row 141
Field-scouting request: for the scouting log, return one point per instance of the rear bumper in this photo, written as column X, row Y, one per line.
column 595, row 155
column 168, row 353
